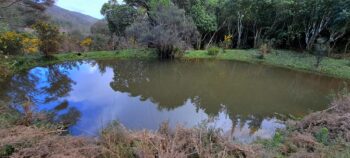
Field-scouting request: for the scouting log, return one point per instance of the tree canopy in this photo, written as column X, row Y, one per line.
column 287, row 24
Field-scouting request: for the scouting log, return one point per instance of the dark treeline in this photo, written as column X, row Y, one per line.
column 174, row 25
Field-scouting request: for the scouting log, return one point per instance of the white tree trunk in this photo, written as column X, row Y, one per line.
column 239, row 28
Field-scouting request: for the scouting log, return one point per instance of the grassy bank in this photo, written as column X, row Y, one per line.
column 339, row 68
column 11, row 65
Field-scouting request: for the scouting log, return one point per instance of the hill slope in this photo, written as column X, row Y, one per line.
column 70, row 21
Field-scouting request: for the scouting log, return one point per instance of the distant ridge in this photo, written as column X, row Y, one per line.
column 71, row 21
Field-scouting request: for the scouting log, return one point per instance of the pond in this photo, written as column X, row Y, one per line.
column 244, row 100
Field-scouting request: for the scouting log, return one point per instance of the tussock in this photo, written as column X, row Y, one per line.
column 37, row 142
column 180, row 143
column 336, row 119
column 199, row 142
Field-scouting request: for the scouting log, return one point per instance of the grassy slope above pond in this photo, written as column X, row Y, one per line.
column 305, row 62
column 15, row 64
column 331, row 67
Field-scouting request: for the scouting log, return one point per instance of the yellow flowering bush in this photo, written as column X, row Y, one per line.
column 86, row 43
column 11, row 43
column 227, row 41
column 30, row 45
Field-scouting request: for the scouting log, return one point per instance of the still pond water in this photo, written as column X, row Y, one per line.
column 242, row 99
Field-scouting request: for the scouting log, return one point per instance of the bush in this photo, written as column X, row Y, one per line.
column 213, row 51
column 86, row 43
column 12, row 43
column 322, row 136
column 7, row 151
column 264, row 50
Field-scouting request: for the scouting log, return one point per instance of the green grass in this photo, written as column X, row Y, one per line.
column 339, row 68
column 16, row 64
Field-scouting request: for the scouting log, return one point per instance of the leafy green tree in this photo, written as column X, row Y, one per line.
column 49, row 37
column 170, row 31
column 203, row 13
column 340, row 23
column 118, row 16
column 101, row 36
column 287, row 24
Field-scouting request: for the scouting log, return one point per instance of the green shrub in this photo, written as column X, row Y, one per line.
column 277, row 139
column 213, row 51
column 322, row 136
column 6, row 151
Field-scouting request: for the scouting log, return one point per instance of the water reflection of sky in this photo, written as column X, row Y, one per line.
column 239, row 98
column 99, row 105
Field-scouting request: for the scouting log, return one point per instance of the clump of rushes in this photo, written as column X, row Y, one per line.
column 264, row 50
column 213, row 51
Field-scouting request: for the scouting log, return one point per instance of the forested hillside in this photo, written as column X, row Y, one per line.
column 71, row 21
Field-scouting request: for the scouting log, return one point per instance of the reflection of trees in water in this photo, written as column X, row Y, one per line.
column 43, row 86
column 251, row 93
column 170, row 85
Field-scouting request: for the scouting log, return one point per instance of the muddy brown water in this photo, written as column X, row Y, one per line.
column 245, row 100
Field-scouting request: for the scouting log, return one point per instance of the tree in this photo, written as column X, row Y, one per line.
column 287, row 24
column 236, row 11
column 340, row 23
column 101, row 36
column 203, row 13
column 171, row 31
column 118, row 16
column 49, row 36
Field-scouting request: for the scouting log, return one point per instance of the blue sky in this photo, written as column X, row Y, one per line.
column 88, row 7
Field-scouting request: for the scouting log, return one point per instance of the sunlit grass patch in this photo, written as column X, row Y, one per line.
column 280, row 58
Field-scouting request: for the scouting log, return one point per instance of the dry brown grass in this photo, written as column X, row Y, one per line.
column 179, row 143
column 202, row 141
column 38, row 142
column 336, row 119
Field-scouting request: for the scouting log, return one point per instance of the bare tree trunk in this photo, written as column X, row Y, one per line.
column 346, row 46
column 257, row 38
column 313, row 30
column 201, row 40
column 334, row 36
column 212, row 37
column 239, row 29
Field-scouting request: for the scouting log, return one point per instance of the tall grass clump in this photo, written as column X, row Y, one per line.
column 171, row 143
column 264, row 50
column 214, row 51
